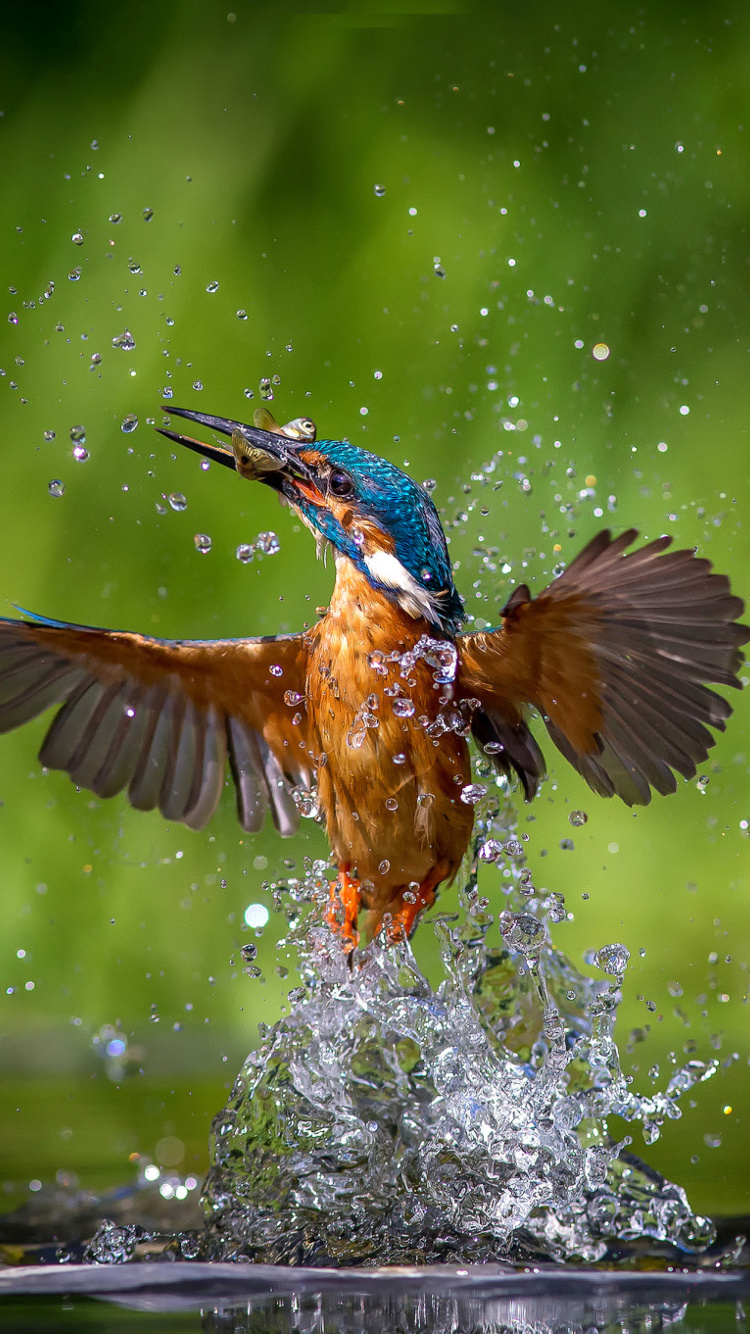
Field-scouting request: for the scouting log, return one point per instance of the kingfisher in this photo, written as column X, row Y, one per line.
column 369, row 713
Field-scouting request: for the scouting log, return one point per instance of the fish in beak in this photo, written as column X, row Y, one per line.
column 268, row 453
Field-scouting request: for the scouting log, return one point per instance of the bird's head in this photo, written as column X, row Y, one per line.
column 366, row 508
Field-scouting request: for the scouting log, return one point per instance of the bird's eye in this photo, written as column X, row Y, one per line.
column 340, row 484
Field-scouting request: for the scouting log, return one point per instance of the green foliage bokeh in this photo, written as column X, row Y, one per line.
column 546, row 183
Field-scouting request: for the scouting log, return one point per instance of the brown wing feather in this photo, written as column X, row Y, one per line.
column 160, row 718
column 616, row 655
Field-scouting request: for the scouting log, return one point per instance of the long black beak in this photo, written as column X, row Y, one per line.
column 255, row 453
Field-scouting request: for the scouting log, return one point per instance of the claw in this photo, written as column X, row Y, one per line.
column 344, row 895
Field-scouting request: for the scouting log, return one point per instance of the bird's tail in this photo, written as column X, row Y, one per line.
column 616, row 655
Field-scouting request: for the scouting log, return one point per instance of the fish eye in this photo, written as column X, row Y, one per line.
column 340, row 484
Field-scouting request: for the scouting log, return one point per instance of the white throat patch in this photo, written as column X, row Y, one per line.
column 388, row 570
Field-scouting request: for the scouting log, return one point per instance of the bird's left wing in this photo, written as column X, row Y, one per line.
column 162, row 717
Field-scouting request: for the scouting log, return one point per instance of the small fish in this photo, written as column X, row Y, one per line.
column 254, row 463
column 299, row 428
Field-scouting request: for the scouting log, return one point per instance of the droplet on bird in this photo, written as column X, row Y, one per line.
column 148, row 214
column 425, row 800
column 203, row 543
column 124, row 341
column 266, row 390
column 403, row 708
column 384, row 866
column 472, row 793
column 276, row 670
column 379, row 190
column 578, row 818
column 245, row 552
column 292, row 697
column 268, row 543
column 391, row 804
column 400, row 758
column 129, row 423
column 212, row 287
column 376, row 660
column 56, row 488
column 77, row 238
column 178, row 501
column 355, row 737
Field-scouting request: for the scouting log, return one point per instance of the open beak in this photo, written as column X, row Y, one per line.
column 257, row 455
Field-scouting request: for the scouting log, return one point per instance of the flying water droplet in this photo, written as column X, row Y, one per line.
column 129, row 423
column 379, row 190
column 80, row 453
column 178, row 501
column 249, row 393
column 523, row 933
column 56, row 488
column 12, row 318
column 197, row 385
column 77, row 238
column 78, row 435
column 578, row 818
column 241, row 314
column 74, row 275
column 491, row 851
column 115, row 217
column 472, row 793
column 245, row 552
column 612, row 959
column 134, row 266
column 203, row 543
column 125, row 341
column 49, row 435
column 249, row 952
column 266, row 390
column 148, row 214
column 267, row 543
column 212, row 287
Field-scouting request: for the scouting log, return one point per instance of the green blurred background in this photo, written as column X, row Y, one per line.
column 545, row 182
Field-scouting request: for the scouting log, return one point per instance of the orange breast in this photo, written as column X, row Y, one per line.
column 395, row 757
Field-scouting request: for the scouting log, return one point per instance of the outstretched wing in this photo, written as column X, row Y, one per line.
column 615, row 655
column 161, row 717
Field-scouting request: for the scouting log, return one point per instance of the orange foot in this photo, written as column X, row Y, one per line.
column 343, row 910
column 403, row 923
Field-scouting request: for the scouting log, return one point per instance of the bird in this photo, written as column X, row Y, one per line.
column 367, row 715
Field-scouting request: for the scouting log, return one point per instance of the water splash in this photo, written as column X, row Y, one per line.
column 385, row 1121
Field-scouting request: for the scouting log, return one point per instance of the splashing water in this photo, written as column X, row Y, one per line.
column 384, row 1121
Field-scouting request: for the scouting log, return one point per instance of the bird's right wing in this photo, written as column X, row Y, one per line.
column 615, row 654
column 162, row 717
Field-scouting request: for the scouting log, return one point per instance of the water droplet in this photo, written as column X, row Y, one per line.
column 203, row 543
column 212, row 287
column 425, row 800
column 197, row 385
column 403, row 708
column 491, row 851
column 379, row 190
column 355, row 737
column 556, row 908
column 56, row 488
column 400, row 758
column 129, row 423
column 178, row 501
column 268, row 543
column 266, row 390
column 245, row 552
column 612, row 959
column 567, row 845
column 148, row 214
column 438, row 269
column 600, row 351
column 74, row 275
column 578, row 818
column 376, row 660
column 77, row 238
column 275, row 670
column 249, row 952
column 167, row 392
column 49, row 435
column 134, row 266
column 115, row 217
column 472, row 793
column 292, row 697
column 384, row 866
column 429, row 484
column 80, row 453
column 78, row 435
column 391, row 804
column 96, row 358
column 522, row 932
column 125, row 341
column 12, row 318
column 241, row 314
